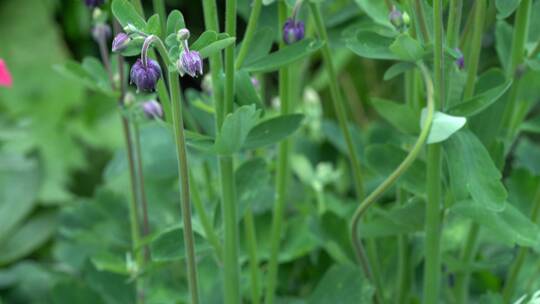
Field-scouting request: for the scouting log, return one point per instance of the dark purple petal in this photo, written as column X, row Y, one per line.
column 145, row 77
column 293, row 31
column 190, row 63
column 152, row 109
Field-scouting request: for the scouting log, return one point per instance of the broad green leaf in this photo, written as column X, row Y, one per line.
column 106, row 261
column 406, row 48
column 406, row 219
column 28, row 237
column 509, row 225
column 443, row 126
column 285, row 56
column 175, row 22
column 273, row 130
column 169, row 245
column 400, row 116
column 376, row 10
column 74, row 291
column 254, row 187
column 398, row 69
column 384, row 159
column 344, row 284
column 527, row 155
column 479, row 102
column 333, row 233
column 371, row 45
column 204, row 40
column 264, row 39
column 126, row 14
column 505, row 8
column 216, row 46
column 19, row 188
column 532, row 125
column 246, row 94
column 473, row 172
column 235, row 129
column 153, row 26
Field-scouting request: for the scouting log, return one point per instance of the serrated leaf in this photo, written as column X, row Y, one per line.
column 273, row 130
column 235, row 129
column 126, row 14
column 443, row 126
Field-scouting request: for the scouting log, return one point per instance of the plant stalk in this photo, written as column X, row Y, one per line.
column 251, row 241
column 250, row 33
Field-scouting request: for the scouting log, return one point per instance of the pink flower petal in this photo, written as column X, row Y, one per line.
column 5, row 76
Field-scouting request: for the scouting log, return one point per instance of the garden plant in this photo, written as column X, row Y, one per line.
column 270, row 151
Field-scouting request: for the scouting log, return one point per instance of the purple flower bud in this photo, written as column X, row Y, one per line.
column 190, row 63
column 460, row 61
column 101, row 32
column 120, row 42
column 293, row 31
column 398, row 19
column 152, row 109
column 93, row 3
column 145, row 76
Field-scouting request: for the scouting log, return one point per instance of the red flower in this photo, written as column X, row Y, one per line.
column 5, row 76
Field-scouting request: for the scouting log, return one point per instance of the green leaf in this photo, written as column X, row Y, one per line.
column 169, row 245
column 30, row 236
column 473, row 172
column 126, row 14
column 246, row 94
column 376, row 10
column 344, row 284
column 216, row 46
column 398, row 69
column 264, row 38
column 505, row 8
column 19, row 188
column 399, row 220
column 273, row 130
column 153, row 26
column 254, row 187
column 235, row 129
column 443, row 126
column 526, row 156
column 175, row 22
column 371, row 45
column 532, row 125
column 480, row 102
column 509, row 225
column 384, row 159
column 406, row 48
column 503, row 42
column 204, row 40
column 400, row 116
column 285, row 56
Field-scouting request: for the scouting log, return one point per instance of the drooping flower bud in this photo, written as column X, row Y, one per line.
column 5, row 76
column 145, row 76
column 93, row 3
column 293, row 31
column 152, row 109
column 398, row 19
column 101, row 32
column 120, row 42
column 460, row 61
column 182, row 34
column 190, row 63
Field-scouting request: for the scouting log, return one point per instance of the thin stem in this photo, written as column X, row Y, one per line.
column 475, row 47
column 230, row 254
column 403, row 258
column 432, row 266
column 250, row 33
column 421, row 20
column 392, row 178
column 251, row 240
column 159, row 8
column 179, row 136
column 467, row 257
column 515, row 269
column 140, row 182
column 282, row 175
column 454, row 22
column 209, row 231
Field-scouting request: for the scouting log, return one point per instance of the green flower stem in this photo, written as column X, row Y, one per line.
column 282, row 175
column 474, row 48
column 179, row 137
column 513, row 273
column 469, row 251
column 421, row 20
column 159, row 8
column 250, row 33
column 209, row 231
column 251, row 240
column 140, row 182
column 454, row 23
column 432, row 257
column 230, row 254
column 400, row 170
column 403, row 274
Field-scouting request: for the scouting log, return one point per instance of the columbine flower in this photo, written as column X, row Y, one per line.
column 460, row 61
column 145, row 74
column 293, row 31
column 190, row 62
column 5, row 76
column 152, row 109
column 398, row 19
column 93, row 3
column 101, row 32
column 120, row 42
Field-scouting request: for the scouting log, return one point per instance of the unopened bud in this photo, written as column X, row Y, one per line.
column 182, row 34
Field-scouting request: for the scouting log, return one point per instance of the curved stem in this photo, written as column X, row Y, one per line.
column 400, row 170
column 282, row 174
column 250, row 33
